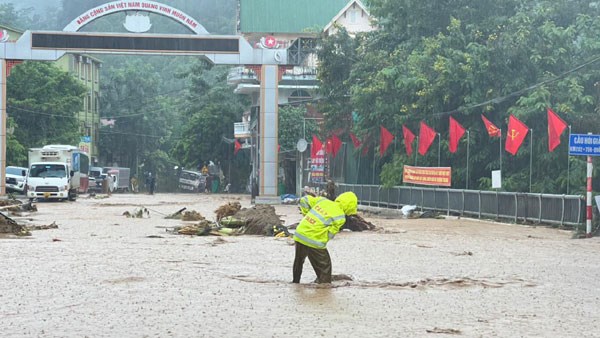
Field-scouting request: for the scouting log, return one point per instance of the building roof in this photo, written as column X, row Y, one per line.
column 343, row 10
column 288, row 16
column 16, row 30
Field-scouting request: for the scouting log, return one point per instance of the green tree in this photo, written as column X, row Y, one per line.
column 430, row 60
column 43, row 102
column 211, row 108
column 293, row 126
column 143, row 118
column 336, row 58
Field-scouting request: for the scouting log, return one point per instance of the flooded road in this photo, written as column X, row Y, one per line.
column 101, row 274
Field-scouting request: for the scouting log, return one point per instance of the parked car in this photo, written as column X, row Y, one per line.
column 15, row 179
column 192, row 181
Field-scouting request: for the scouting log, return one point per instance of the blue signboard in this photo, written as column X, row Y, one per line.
column 584, row 144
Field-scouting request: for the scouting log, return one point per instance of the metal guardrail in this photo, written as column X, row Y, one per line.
column 518, row 207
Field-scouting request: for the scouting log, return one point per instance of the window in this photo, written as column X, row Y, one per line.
column 48, row 170
column 352, row 13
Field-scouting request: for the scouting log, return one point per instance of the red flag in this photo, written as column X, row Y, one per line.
column 517, row 131
column 492, row 130
column 236, row 147
column 333, row 145
column 426, row 137
column 385, row 138
column 315, row 147
column 409, row 137
column 456, row 132
column 556, row 126
column 355, row 140
column 278, row 147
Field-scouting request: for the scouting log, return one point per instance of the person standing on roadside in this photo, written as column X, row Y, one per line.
column 152, row 179
column 323, row 219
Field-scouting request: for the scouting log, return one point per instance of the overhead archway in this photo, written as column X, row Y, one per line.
column 136, row 6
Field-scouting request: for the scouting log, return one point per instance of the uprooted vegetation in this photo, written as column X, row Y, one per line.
column 233, row 220
column 14, row 207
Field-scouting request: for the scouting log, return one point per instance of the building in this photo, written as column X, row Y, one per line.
column 87, row 70
column 294, row 25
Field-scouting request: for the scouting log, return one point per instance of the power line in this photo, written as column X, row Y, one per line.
column 40, row 113
column 181, row 104
column 521, row 91
column 135, row 134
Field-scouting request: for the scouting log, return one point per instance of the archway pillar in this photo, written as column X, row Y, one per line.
column 268, row 138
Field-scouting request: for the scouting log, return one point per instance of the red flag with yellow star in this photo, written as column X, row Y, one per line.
column 492, row 130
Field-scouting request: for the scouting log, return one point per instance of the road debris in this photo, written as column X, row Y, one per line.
column 260, row 220
column 176, row 214
column 52, row 225
column 201, row 228
column 191, row 215
column 444, row 331
column 139, row 212
column 16, row 206
column 357, row 223
column 228, row 209
column 10, row 226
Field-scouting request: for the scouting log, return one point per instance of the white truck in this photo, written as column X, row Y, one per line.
column 56, row 172
column 118, row 178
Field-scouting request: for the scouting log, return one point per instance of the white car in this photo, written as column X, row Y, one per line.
column 15, row 179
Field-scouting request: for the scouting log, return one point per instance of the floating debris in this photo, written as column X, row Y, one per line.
column 192, row 216
column 444, row 331
column 53, row 225
column 357, row 223
column 228, row 209
column 140, row 212
column 10, row 226
column 203, row 228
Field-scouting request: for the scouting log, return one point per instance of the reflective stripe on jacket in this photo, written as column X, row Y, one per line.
column 307, row 202
column 322, row 221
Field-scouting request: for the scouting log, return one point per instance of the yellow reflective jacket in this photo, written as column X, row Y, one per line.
column 324, row 219
column 307, row 202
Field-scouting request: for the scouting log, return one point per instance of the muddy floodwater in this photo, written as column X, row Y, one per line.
column 101, row 274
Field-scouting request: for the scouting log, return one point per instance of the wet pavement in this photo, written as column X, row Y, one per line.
column 101, row 274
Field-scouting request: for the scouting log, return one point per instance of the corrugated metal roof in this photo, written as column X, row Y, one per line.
column 287, row 16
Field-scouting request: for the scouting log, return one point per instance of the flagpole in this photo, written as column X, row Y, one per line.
column 439, row 147
column 530, row 158
column 358, row 170
column 344, row 145
column 373, row 177
column 500, row 152
column 468, row 143
column 568, row 164
column 416, row 152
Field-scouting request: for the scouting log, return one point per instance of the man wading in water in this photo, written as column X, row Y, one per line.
column 323, row 218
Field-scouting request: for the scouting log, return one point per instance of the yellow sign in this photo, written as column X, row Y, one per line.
column 441, row 176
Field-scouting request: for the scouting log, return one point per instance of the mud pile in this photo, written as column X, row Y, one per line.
column 232, row 220
column 192, row 215
column 10, row 226
column 357, row 223
column 259, row 220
